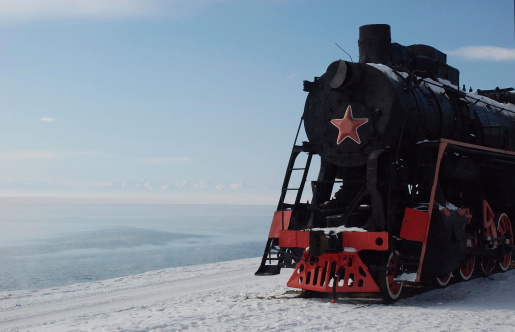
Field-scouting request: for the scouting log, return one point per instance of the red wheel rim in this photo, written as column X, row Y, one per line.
column 444, row 280
column 487, row 263
column 467, row 269
column 394, row 288
column 504, row 227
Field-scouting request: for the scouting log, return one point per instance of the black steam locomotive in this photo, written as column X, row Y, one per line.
column 416, row 182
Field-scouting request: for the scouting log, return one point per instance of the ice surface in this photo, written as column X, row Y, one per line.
column 227, row 296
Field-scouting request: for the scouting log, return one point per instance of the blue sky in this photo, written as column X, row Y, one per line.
column 196, row 101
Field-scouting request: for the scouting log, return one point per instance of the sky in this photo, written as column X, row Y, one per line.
column 196, row 101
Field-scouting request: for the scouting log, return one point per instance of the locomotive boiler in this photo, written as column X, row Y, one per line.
column 415, row 180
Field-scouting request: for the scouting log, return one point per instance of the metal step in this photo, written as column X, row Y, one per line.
column 268, row 270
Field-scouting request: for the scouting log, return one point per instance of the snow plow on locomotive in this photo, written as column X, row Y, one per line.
column 416, row 178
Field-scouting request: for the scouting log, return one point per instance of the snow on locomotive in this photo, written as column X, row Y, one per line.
column 416, row 178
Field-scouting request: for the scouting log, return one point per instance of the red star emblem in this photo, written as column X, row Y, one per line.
column 348, row 126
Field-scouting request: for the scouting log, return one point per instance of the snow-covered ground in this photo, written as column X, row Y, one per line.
column 227, row 296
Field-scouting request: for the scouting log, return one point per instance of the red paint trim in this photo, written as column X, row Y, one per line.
column 280, row 221
column 365, row 240
column 441, row 150
column 293, row 239
column 348, row 126
column 488, row 220
column 442, row 146
column 414, row 225
column 353, row 277
column 357, row 240
column 477, row 147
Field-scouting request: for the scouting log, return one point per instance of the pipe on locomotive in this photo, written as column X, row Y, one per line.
column 375, row 46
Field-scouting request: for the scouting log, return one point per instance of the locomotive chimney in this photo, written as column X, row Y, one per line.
column 374, row 44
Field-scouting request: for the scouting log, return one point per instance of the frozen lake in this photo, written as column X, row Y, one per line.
column 53, row 245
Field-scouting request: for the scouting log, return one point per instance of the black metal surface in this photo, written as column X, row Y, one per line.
column 371, row 171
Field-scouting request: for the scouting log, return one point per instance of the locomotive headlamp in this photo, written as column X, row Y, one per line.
column 336, row 73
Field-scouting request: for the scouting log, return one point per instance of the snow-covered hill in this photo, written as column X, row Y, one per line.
column 227, row 296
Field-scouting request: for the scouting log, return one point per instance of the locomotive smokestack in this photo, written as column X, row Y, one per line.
column 374, row 44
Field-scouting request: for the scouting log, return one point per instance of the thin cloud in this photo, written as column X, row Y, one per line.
column 180, row 183
column 34, row 9
column 293, row 76
column 41, row 155
column 15, row 11
column 487, row 53
column 236, row 186
column 199, row 184
column 165, row 161
column 47, row 119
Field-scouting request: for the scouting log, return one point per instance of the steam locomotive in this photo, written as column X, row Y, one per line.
column 416, row 177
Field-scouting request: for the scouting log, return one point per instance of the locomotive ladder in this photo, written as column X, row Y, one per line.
column 297, row 149
column 273, row 257
column 307, row 147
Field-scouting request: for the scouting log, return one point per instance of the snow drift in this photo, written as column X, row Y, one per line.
column 226, row 296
